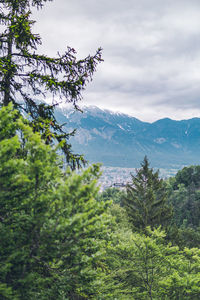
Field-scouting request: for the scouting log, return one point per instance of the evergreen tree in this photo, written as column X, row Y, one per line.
column 189, row 176
column 188, row 208
column 52, row 230
column 26, row 76
column 145, row 267
column 146, row 199
column 184, row 195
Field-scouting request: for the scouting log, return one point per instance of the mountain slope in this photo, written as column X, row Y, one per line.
column 117, row 139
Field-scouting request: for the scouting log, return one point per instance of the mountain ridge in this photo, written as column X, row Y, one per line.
column 120, row 140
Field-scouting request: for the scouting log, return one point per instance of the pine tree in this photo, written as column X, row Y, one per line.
column 26, row 76
column 146, row 199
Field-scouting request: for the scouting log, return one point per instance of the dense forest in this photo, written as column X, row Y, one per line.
column 60, row 238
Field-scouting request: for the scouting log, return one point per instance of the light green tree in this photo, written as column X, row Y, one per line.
column 145, row 267
column 183, row 281
column 53, row 232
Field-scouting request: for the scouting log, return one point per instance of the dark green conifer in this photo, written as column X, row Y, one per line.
column 26, row 76
column 146, row 199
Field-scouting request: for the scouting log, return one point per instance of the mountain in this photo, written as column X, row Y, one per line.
column 116, row 139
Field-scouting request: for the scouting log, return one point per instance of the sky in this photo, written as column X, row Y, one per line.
column 151, row 52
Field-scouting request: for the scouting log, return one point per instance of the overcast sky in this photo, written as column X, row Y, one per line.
column 151, row 52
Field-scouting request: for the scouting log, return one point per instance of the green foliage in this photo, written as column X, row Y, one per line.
column 146, row 199
column 53, row 232
column 113, row 194
column 189, row 237
column 26, row 76
column 58, row 242
column 185, row 196
column 188, row 176
column 144, row 267
column 120, row 216
column 184, row 280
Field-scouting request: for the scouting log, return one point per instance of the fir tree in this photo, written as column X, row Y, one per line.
column 26, row 76
column 146, row 199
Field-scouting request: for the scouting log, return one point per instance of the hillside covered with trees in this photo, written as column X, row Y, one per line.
column 62, row 239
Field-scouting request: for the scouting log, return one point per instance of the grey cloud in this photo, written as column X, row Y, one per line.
column 151, row 51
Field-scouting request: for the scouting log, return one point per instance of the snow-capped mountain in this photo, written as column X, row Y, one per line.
column 116, row 139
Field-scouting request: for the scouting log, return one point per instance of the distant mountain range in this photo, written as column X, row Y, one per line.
column 119, row 140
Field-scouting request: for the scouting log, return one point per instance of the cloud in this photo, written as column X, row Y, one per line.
column 151, row 52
